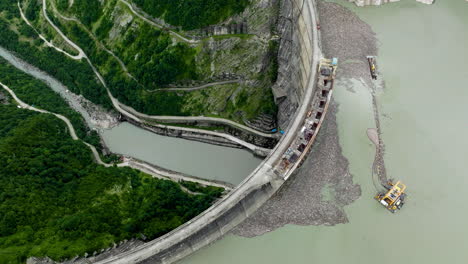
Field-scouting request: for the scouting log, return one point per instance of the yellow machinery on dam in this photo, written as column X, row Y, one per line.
column 327, row 68
column 394, row 198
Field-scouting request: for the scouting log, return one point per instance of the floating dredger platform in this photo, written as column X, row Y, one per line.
column 394, row 198
column 372, row 67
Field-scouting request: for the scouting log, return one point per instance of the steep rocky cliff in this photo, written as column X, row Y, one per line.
column 381, row 2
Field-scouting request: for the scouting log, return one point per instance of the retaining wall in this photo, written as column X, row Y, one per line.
column 260, row 146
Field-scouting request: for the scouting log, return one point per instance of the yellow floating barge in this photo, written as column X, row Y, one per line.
column 394, row 198
column 373, row 70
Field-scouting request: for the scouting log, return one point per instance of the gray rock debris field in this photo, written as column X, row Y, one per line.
column 300, row 200
column 352, row 42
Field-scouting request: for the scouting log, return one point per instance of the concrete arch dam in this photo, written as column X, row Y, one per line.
column 298, row 56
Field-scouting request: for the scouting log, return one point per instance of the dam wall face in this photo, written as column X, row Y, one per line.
column 216, row 229
column 294, row 57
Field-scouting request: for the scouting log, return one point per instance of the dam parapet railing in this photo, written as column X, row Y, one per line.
column 164, row 173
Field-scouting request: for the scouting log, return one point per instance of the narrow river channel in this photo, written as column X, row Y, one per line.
column 198, row 159
column 51, row 82
column 424, row 60
column 194, row 158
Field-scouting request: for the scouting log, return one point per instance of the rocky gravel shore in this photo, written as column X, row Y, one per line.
column 99, row 117
column 303, row 200
column 347, row 37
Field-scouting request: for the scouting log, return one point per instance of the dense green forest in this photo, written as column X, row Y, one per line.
column 192, row 14
column 76, row 75
column 55, row 201
column 150, row 55
column 88, row 11
column 155, row 59
column 37, row 93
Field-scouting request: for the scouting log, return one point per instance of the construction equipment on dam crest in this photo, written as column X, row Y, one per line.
column 327, row 68
column 294, row 156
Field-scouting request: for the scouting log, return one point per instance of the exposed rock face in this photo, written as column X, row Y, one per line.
column 381, row 2
column 232, row 58
column 256, row 19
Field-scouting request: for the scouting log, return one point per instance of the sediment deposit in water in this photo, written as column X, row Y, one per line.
column 316, row 194
column 352, row 40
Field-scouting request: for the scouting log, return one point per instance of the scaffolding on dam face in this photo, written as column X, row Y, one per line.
column 294, row 156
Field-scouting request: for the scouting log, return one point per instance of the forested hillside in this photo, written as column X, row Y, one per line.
column 37, row 93
column 136, row 57
column 192, row 14
column 18, row 37
column 55, row 201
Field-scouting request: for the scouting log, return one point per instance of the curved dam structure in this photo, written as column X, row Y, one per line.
column 295, row 91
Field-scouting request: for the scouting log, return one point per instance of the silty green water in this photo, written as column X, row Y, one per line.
column 195, row 158
column 424, row 115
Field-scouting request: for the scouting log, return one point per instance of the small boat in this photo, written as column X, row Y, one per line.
column 394, row 198
column 372, row 67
